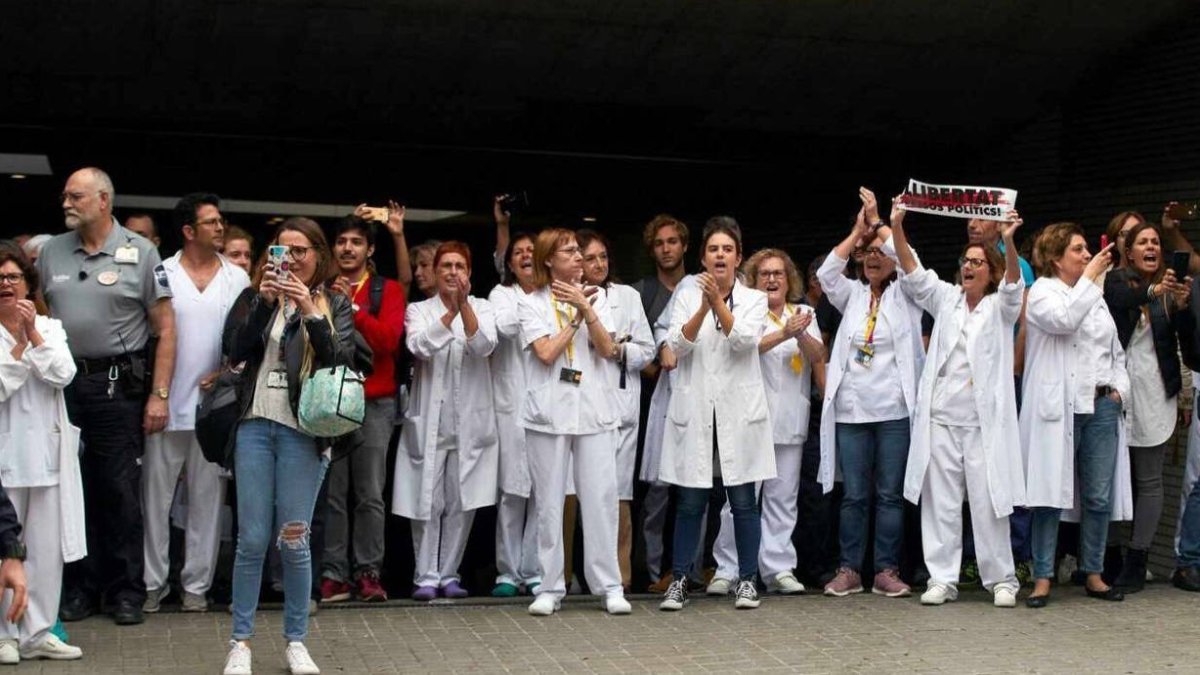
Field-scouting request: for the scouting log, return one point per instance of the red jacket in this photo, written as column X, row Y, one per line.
column 382, row 333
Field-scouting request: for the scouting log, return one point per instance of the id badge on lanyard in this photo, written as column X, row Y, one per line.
column 866, row 352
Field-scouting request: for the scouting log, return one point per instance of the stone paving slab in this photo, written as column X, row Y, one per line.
column 1154, row 631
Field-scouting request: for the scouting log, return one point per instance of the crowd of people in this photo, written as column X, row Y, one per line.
column 853, row 409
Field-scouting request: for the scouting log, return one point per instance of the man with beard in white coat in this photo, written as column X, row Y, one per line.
column 447, row 463
column 965, row 430
column 516, row 514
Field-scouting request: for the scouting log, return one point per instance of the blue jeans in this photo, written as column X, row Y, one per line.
column 1095, row 463
column 1189, row 531
column 278, row 472
column 879, row 449
column 747, row 527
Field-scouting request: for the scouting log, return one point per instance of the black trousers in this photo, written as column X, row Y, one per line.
column 113, row 442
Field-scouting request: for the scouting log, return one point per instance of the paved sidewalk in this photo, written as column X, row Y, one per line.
column 1154, row 631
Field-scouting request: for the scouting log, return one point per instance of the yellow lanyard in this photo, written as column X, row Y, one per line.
column 570, row 319
column 872, row 317
column 358, row 287
column 797, row 360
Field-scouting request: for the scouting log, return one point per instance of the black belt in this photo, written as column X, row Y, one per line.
column 103, row 364
column 1105, row 390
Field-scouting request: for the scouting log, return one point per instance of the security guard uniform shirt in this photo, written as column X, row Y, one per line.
column 103, row 299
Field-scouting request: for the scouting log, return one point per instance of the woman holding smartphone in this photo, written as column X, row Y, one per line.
column 1074, row 387
column 570, row 416
column 284, row 327
column 1150, row 307
column 718, row 431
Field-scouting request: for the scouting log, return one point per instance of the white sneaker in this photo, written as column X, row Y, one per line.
column 154, row 598
column 787, row 584
column 719, row 586
column 1005, row 596
column 617, row 604
column 544, row 605
column 238, row 661
column 54, row 649
column 298, row 660
column 9, row 654
column 939, row 594
column 194, row 602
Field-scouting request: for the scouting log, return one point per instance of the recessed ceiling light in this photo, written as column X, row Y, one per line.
column 17, row 176
column 589, row 219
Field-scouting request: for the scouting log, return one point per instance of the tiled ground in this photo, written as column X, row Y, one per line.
column 1155, row 631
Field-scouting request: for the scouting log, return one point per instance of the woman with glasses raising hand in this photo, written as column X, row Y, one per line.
column 965, row 433
column 870, row 394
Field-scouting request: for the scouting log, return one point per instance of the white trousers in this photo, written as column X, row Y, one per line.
column 167, row 454
column 595, row 467
column 439, row 543
column 517, row 541
column 41, row 530
column 957, row 462
column 1191, row 471
column 780, row 495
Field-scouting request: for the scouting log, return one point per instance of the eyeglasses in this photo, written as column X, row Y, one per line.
column 772, row 274
column 207, row 222
column 569, row 250
column 298, row 253
column 872, row 250
column 973, row 263
column 12, row 279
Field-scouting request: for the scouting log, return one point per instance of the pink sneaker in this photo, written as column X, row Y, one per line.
column 888, row 583
column 846, row 582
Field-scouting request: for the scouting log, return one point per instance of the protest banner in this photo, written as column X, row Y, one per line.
column 958, row 201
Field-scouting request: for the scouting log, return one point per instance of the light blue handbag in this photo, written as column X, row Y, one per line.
column 332, row 402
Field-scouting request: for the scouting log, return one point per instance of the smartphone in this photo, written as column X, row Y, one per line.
column 1181, row 211
column 377, row 213
column 1179, row 263
column 1103, row 241
column 277, row 259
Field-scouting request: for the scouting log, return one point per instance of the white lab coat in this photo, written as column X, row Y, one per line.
column 629, row 318
column 788, row 392
column 903, row 320
column 660, row 399
column 723, row 374
column 1054, row 314
column 509, row 365
column 990, row 354
column 39, row 446
column 435, row 349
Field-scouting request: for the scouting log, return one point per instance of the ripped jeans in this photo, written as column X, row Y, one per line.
column 278, row 472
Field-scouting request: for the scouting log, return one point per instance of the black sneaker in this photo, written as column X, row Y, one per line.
column 675, row 597
column 128, row 612
column 75, row 607
column 747, row 595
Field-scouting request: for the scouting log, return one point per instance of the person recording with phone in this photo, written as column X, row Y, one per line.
column 1075, row 385
column 285, row 327
column 570, row 416
column 1150, row 305
column 447, row 463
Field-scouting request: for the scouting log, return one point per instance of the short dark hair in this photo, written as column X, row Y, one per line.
column 9, row 251
column 508, row 277
column 184, row 212
column 585, row 237
column 722, row 225
column 353, row 222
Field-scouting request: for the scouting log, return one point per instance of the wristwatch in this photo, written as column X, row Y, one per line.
column 14, row 551
column 162, row 393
